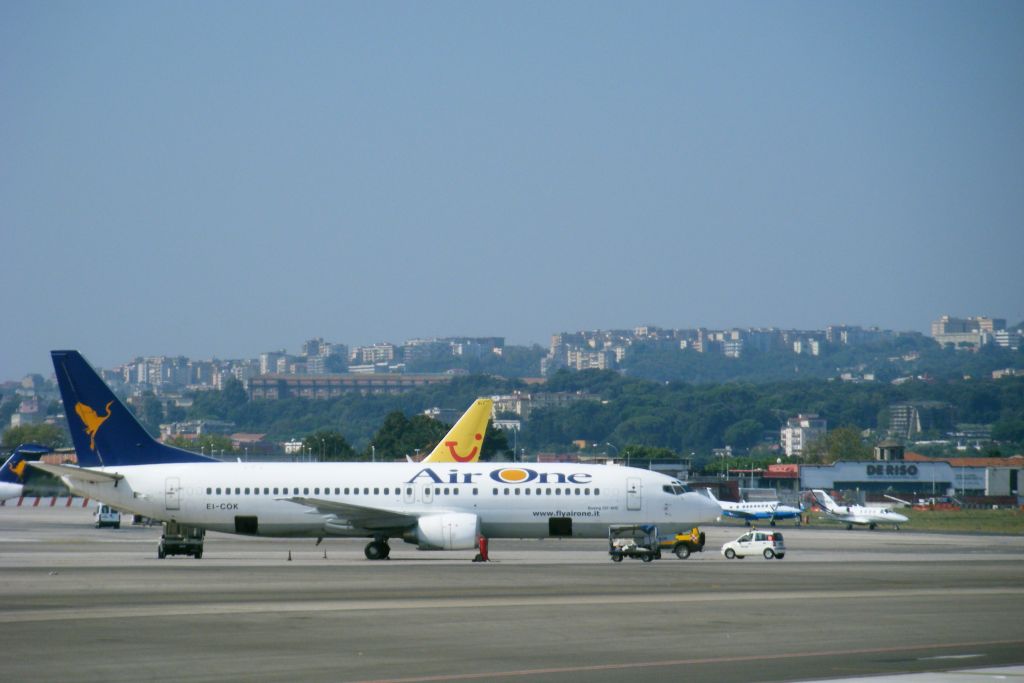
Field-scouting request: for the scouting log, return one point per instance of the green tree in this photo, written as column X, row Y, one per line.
column 495, row 441
column 634, row 452
column 207, row 444
column 743, row 434
column 233, row 394
column 400, row 436
column 151, row 413
column 225, row 404
column 328, row 445
column 43, row 434
column 843, row 443
column 1009, row 429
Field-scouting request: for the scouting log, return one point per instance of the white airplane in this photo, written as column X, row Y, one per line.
column 455, row 506
column 857, row 514
column 12, row 474
column 753, row 511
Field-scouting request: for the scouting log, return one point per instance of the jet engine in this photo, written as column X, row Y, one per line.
column 450, row 531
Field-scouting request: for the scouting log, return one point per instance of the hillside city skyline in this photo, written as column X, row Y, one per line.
column 920, row 374
column 586, row 347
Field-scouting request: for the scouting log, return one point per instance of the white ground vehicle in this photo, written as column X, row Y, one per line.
column 765, row 543
column 107, row 516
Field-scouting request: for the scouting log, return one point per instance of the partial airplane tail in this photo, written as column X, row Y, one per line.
column 12, row 474
column 104, row 431
column 13, row 471
column 465, row 440
column 824, row 500
column 710, row 494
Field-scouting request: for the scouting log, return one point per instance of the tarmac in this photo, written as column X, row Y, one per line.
column 86, row 604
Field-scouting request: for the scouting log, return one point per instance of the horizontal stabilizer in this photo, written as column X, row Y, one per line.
column 78, row 473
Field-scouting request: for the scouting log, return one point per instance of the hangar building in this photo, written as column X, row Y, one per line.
column 911, row 474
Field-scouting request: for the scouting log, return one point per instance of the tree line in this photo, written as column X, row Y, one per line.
column 628, row 412
column 618, row 408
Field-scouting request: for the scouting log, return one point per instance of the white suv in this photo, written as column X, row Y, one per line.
column 754, row 542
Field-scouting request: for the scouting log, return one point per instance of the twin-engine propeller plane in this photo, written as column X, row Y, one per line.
column 436, row 505
column 769, row 510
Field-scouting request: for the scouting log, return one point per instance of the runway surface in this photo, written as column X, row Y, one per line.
column 79, row 603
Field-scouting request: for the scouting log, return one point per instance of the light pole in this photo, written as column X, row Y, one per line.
column 322, row 446
column 609, row 443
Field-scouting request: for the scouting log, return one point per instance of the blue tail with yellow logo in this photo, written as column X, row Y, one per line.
column 13, row 471
column 104, row 431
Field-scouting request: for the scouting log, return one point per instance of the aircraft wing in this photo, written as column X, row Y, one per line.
column 361, row 516
column 78, row 473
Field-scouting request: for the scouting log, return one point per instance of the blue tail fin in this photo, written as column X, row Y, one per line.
column 104, row 431
column 13, row 471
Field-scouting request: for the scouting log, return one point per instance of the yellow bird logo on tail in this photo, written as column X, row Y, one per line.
column 18, row 469
column 92, row 420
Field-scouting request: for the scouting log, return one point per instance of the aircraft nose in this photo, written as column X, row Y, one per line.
column 710, row 511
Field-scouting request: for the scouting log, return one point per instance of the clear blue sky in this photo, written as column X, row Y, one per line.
column 232, row 177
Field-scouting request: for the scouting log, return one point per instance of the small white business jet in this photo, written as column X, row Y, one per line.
column 857, row 514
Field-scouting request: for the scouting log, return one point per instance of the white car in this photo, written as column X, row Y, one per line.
column 765, row 543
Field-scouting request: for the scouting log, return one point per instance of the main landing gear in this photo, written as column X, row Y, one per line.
column 377, row 549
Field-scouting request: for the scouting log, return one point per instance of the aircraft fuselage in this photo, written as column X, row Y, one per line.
column 511, row 501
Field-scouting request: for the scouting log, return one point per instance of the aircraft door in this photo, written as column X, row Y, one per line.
column 172, row 493
column 633, row 493
column 426, row 493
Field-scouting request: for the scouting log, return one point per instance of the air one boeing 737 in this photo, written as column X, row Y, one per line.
column 434, row 505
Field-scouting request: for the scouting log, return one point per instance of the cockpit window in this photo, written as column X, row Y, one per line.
column 676, row 488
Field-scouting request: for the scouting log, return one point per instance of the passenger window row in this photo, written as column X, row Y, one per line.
column 544, row 492
column 365, row 491
column 279, row 491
